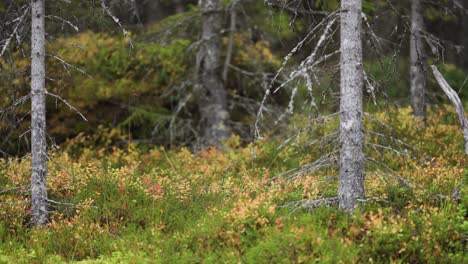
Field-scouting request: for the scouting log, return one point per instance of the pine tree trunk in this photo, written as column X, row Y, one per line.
column 351, row 186
column 212, row 96
column 417, row 56
column 38, row 116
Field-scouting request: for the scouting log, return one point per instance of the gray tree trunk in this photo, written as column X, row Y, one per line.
column 465, row 35
column 417, row 57
column 38, row 116
column 351, row 186
column 212, row 96
column 232, row 31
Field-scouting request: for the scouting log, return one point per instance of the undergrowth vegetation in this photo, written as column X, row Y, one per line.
column 152, row 205
column 136, row 89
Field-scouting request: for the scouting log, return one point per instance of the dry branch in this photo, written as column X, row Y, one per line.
column 116, row 21
column 68, row 104
column 68, row 204
column 453, row 96
column 15, row 30
column 311, row 204
column 13, row 189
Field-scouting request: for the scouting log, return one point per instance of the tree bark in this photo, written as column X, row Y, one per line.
column 465, row 35
column 212, row 96
column 38, row 116
column 232, row 31
column 417, row 57
column 351, row 186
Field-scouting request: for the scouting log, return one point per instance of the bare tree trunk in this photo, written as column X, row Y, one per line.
column 351, row 186
column 417, row 57
column 232, row 31
column 212, row 96
column 465, row 35
column 38, row 116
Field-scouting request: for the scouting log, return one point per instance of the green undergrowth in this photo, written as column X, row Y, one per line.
column 152, row 205
column 134, row 83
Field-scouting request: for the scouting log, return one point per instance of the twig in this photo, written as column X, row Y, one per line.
column 320, row 120
column 389, row 148
column 326, row 161
column 69, row 204
column 21, row 100
column 68, row 65
column 69, row 105
column 64, row 21
column 311, row 204
column 8, row 40
column 392, row 139
column 372, row 199
column 12, row 189
column 395, row 174
column 117, row 21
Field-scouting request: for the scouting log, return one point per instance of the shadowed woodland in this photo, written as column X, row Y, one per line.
column 238, row 131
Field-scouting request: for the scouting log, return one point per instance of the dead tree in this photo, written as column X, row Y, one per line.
column 417, row 58
column 211, row 93
column 351, row 187
column 346, row 149
column 40, row 215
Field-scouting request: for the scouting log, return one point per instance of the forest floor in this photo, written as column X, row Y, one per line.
column 152, row 205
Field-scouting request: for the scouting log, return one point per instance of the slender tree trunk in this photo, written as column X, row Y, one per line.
column 212, row 94
column 232, row 31
column 465, row 35
column 351, row 186
column 417, row 57
column 38, row 116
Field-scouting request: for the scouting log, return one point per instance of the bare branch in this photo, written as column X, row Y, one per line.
column 20, row 101
column 68, row 104
column 15, row 30
column 67, row 65
column 321, row 120
column 311, row 204
column 117, row 21
column 13, row 189
column 453, row 96
column 64, row 21
column 68, row 204
column 394, row 173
